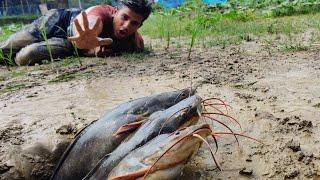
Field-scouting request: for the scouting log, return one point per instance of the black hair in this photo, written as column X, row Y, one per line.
column 142, row 7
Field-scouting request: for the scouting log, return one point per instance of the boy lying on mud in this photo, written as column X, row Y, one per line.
column 100, row 30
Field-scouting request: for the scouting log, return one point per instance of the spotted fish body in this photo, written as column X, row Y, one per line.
column 97, row 139
column 182, row 114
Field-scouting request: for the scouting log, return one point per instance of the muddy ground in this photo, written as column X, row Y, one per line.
column 273, row 93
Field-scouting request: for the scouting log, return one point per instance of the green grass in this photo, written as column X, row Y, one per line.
column 7, row 59
column 317, row 105
column 2, row 78
column 7, row 30
column 68, row 76
column 244, row 86
column 30, row 96
column 17, row 73
column 137, row 55
column 5, row 20
column 230, row 27
column 12, row 87
column 69, row 60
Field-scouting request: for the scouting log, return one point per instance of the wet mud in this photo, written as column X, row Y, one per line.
column 274, row 96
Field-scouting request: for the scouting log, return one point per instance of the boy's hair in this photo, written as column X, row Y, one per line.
column 142, row 7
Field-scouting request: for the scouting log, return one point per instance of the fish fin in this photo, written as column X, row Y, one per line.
column 131, row 175
column 128, row 127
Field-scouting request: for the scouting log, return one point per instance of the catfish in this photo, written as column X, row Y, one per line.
column 182, row 114
column 97, row 139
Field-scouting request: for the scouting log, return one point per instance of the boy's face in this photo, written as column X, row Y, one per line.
column 126, row 22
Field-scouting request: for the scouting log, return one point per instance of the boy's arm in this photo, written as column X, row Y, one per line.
column 86, row 29
column 139, row 42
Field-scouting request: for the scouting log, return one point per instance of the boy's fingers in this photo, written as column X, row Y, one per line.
column 105, row 41
column 96, row 25
column 78, row 27
column 73, row 38
column 85, row 20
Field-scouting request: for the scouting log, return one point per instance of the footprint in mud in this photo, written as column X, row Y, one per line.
column 244, row 96
column 35, row 161
column 4, row 168
column 264, row 115
column 294, row 124
column 11, row 134
column 67, row 129
column 293, row 145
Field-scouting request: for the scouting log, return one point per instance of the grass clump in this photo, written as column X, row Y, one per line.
column 68, row 76
column 229, row 24
column 138, row 55
column 17, row 73
column 244, row 86
column 7, row 30
column 12, row 88
column 69, row 60
column 317, row 105
column 7, row 59
column 4, row 20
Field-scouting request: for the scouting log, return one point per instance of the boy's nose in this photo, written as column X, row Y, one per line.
column 126, row 25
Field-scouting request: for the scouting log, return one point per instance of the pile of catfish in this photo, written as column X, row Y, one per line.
column 148, row 138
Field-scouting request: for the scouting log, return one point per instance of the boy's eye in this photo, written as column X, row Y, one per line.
column 124, row 17
column 135, row 23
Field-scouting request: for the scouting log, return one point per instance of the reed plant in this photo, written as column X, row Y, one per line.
column 43, row 32
column 7, row 59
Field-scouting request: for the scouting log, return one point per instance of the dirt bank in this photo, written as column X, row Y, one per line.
column 275, row 96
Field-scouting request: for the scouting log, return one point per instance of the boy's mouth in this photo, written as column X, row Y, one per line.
column 121, row 34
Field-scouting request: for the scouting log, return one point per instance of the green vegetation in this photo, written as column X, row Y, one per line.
column 44, row 36
column 13, row 74
column 235, row 22
column 317, row 105
column 12, row 87
column 7, row 30
column 244, row 86
column 18, row 73
column 6, row 59
column 7, row 20
column 70, row 75
column 69, row 60
column 137, row 55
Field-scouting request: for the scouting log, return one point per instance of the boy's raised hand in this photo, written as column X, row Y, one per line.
column 87, row 38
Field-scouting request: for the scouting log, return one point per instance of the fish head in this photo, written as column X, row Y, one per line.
column 147, row 106
column 182, row 142
column 170, row 159
column 183, row 114
column 164, row 157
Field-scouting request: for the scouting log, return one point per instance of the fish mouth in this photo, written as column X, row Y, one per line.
column 183, row 146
